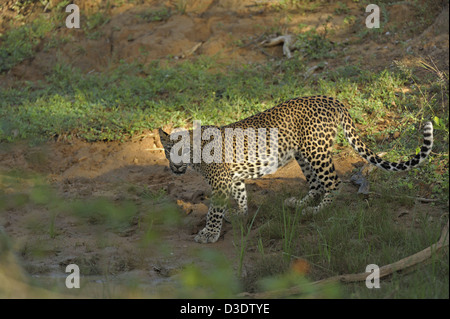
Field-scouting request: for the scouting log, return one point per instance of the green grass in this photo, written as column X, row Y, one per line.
column 152, row 15
column 131, row 98
column 241, row 234
column 313, row 45
column 93, row 23
column 19, row 43
column 345, row 238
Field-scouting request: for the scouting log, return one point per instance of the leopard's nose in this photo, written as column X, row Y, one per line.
column 179, row 169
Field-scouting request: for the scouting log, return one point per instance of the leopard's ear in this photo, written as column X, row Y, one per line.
column 165, row 139
column 162, row 133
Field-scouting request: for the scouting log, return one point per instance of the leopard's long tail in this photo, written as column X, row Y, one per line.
column 371, row 157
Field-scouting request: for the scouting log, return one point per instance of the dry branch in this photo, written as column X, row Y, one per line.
column 190, row 51
column 287, row 44
column 385, row 271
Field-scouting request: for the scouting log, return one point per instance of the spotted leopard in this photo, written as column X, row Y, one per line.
column 306, row 128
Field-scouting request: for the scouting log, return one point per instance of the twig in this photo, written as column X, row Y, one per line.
column 420, row 199
column 135, row 137
column 190, row 51
column 153, row 185
column 287, row 44
column 424, row 200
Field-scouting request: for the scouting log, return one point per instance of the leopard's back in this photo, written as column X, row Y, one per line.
column 298, row 122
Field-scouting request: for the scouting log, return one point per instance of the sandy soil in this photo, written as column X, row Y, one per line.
column 232, row 31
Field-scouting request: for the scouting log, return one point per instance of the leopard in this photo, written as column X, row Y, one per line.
column 306, row 129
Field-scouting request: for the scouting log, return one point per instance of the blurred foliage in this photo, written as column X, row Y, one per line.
column 216, row 280
column 296, row 285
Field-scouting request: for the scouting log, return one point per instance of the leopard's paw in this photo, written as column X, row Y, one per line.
column 206, row 236
column 310, row 210
column 291, row 202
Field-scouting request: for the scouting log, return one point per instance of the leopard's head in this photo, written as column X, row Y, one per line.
column 177, row 151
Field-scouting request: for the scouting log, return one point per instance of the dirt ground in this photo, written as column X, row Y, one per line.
column 232, row 30
column 80, row 170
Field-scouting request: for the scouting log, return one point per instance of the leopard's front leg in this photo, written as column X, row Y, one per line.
column 214, row 219
column 211, row 233
column 239, row 194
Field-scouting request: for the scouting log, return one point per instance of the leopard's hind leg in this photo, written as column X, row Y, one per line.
column 315, row 186
column 326, row 173
column 322, row 178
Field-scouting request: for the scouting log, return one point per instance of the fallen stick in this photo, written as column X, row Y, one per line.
column 384, row 270
column 420, row 199
column 287, row 44
column 190, row 51
column 424, row 200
